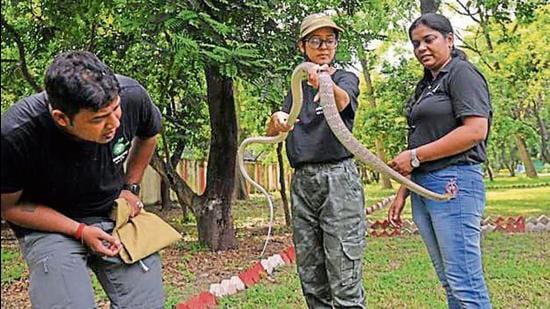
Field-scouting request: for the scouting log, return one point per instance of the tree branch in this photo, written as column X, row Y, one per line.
column 91, row 40
column 474, row 49
column 22, row 58
column 469, row 13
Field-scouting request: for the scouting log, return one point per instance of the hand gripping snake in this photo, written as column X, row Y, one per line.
column 338, row 128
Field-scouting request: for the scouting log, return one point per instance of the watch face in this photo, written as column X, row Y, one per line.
column 134, row 188
column 415, row 163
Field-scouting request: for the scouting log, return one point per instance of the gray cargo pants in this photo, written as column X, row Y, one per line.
column 59, row 275
column 329, row 233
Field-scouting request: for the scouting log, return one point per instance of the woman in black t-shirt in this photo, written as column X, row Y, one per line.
column 328, row 214
column 449, row 119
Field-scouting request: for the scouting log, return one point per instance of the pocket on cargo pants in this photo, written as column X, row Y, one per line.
column 351, row 262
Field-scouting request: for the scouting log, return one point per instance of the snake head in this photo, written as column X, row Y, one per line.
column 323, row 68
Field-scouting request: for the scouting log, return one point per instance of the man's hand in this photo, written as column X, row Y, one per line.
column 134, row 202
column 100, row 242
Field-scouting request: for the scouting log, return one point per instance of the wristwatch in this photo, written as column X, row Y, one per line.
column 414, row 159
column 132, row 187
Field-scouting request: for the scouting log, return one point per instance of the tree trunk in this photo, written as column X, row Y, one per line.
column 543, row 132
column 284, row 199
column 185, row 195
column 165, row 202
column 386, row 183
column 429, row 6
column 509, row 164
column 525, row 158
column 240, row 192
column 489, row 171
column 511, row 170
column 214, row 219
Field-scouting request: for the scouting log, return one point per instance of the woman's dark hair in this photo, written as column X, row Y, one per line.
column 442, row 25
column 78, row 79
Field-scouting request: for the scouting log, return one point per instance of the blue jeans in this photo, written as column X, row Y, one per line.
column 451, row 231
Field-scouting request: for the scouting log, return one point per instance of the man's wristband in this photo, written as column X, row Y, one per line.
column 79, row 230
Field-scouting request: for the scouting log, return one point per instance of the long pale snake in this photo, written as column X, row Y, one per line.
column 338, row 128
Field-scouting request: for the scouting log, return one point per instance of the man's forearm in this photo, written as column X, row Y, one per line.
column 139, row 157
column 39, row 217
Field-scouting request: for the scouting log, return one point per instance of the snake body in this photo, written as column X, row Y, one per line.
column 360, row 152
column 339, row 129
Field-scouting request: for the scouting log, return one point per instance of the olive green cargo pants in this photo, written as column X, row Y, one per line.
column 329, row 233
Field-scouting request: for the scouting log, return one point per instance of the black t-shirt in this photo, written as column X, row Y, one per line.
column 312, row 141
column 459, row 91
column 80, row 179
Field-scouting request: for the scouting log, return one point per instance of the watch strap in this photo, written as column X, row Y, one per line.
column 132, row 187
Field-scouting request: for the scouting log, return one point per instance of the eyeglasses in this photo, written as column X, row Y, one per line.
column 316, row 42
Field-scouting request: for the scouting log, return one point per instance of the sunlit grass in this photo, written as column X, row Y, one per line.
column 503, row 202
column 395, row 269
column 399, row 274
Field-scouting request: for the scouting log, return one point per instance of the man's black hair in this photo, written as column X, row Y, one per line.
column 79, row 80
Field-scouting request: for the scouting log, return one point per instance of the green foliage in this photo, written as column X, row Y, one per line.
column 394, row 85
column 514, row 56
column 167, row 45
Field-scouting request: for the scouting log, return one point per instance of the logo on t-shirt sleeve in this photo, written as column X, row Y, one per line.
column 120, row 150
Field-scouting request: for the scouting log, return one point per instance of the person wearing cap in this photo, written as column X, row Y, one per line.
column 326, row 192
column 67, row 154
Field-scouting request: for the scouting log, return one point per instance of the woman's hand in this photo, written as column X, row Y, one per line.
column 402, row 163
column 394, row 212
column 396, row 207
column 313, row 74
column 279, row 123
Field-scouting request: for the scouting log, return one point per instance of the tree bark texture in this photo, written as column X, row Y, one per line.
column 214, row 219
column 429, row 6
column 165, row 201
column 525, row 157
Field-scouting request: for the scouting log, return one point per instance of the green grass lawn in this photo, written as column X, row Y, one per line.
column 398, row 274
column 503, row 202
column 518, row 180
column 500, row 202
